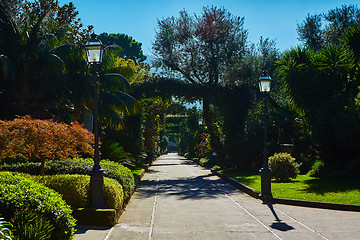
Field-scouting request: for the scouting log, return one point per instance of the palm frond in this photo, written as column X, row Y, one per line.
column 8, row 73
column 35, row 32
column 111, row 119
column 52, row 73
column 47, row 43
column 121, row 103
column 351, row 37
column 9, row 34
column 334, row 58
column 133, row 105
column 115, row 82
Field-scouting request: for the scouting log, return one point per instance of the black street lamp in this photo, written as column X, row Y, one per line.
column 94, row 52
column 265, row 86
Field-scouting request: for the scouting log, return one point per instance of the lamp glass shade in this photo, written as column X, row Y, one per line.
column 94, row 50
column 265, row 83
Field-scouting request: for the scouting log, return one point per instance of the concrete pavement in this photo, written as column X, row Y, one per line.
column 179, row 200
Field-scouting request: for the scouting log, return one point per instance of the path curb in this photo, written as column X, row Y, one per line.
column 253, row 193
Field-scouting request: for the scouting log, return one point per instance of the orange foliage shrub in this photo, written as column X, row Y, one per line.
column 26, row 138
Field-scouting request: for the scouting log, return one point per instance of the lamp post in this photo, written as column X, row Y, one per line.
column 265, row 86
column 94, row 51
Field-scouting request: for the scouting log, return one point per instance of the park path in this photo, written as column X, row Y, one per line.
column 179, row 200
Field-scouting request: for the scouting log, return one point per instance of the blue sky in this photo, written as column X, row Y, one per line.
column 274, row 19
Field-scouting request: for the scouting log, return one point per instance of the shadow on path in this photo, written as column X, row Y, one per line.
column 195, row 187
column 278, row 224
column 184, row 188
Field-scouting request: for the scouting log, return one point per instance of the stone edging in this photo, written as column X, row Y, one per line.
column 252, row 192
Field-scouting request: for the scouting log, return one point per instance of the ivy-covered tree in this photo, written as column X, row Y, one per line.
column 155, row 111
column 200, row 49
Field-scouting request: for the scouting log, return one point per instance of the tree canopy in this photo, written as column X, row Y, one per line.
column 130, row 49
column 322, row 29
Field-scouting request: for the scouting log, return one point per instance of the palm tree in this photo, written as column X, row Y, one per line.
column 114, row 101
column 30, row 76
column 351, row 38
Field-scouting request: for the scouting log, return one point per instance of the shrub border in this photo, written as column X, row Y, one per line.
column 91, row 216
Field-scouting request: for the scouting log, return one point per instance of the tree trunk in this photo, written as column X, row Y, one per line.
column 42, row 161
column 86, row 118
column 213, row 131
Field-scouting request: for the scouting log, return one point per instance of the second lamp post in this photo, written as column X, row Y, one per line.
column 265, row 85
column 94, row 52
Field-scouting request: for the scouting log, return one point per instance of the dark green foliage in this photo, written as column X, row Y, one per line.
column 164, row 142
column 318, row 84
column 18, row 193
column 130, row 49
column 79, row 166
column 233, row 107
column 199, row 50
column 316, row 169
column 31, row 226
column 189, row 133
column 320, row 30
column 114, row 152
column 5, row 232
column 75, row 189
column 283, row 166
column 207, row 162
column 232, row 100
column 32, row 76
column 310, row 33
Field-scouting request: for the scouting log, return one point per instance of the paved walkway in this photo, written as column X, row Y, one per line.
column 179, row 200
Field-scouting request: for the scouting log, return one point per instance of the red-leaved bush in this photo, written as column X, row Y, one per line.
column 26, row 138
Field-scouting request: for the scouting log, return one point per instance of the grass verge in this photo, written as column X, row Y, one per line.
column 136, row 172
column 305, row 188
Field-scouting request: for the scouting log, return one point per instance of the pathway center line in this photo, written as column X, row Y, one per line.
column 249, row 213
column 244, row 209
column 305, row 226
column 153, row 210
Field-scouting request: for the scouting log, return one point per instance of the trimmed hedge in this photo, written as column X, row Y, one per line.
column 75, row 189
column 24, row 199
column 78, row 166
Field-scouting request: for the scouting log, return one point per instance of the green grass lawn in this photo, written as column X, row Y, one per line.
column 306, row 188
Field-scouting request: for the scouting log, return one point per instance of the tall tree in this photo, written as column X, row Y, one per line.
column 200, row 49
column 64, row 22
column 322, row 29
column 318, row 83
column 130, row 49
column 27, row 63
column 32, row 76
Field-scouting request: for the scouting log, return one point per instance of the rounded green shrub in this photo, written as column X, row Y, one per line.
column 19, row 194
column 283, row 166
column 78, row 166
column 75, row 189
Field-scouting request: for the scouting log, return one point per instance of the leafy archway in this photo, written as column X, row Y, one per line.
column 230, row 101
